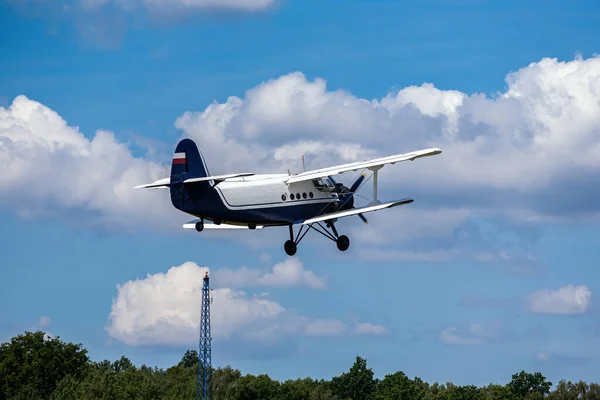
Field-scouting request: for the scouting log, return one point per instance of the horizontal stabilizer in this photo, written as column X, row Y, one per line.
column 207, row 225
column 354, row 211
column 161, row 183
column 217, row 177
column 166, row 182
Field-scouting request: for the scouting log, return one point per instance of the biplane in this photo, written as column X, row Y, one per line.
column 312, row 199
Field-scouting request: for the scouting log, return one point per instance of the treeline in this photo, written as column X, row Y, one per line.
column 33, row 366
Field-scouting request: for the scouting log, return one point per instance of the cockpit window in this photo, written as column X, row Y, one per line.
column 323, row 184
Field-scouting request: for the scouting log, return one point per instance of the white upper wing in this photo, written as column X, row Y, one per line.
column 371, row 164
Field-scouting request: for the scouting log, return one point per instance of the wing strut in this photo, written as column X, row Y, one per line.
column 375, row 200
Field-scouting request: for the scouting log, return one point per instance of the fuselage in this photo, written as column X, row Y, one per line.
column 263, row 199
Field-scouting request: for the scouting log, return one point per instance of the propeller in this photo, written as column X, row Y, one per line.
column 343, row 191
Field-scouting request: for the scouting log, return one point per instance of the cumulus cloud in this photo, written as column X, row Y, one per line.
column 549, row 112
column 569, row 299
column 474, row 333
column 50, row 168
column 507, row 157
column 163, row 309
column 288, row 273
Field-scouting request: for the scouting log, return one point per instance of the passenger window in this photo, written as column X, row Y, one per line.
column 292, row 196
column 283, row 197
column 304, row 195
column 310, row 194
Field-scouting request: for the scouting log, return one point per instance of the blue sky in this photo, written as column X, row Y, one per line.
column 490, row 237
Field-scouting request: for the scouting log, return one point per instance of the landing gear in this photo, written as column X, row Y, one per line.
column 343, row 243
column 200, row 225
column 291, row 245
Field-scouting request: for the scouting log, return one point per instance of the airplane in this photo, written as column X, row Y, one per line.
column 256, row 201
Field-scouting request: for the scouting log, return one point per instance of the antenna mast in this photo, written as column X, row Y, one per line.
column 204, row 390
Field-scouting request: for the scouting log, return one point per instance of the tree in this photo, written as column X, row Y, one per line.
column 399, row 386
column 357, row 384
column 35, row 367
column 468, row 392
column 35, row 363
column 222, row 381
column 189, row 359
column 497, row 392
column 299, row 389
column 250, row 387
column 525, row 383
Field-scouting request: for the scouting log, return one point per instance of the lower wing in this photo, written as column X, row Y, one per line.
column 354, row 211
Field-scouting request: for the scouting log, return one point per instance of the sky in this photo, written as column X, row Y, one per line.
column 492, row 270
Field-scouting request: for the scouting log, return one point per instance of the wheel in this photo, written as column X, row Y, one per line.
column 199, row 226
column 290, row 247
column 343, row 243
column 251, row 226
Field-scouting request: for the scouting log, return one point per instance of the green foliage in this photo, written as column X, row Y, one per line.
column 32, row 364
column 34, row 367
column 531, row 386
column 190, row 359
column 356, row 384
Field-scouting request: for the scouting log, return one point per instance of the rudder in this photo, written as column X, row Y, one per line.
column 187, row 163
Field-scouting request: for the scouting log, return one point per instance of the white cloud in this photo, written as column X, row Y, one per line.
column 164, row 309
column 569, row 299
column 550, row 111
column 368, row 328
column 52, row 168
column 291, row 273
column 510, row 154
column 473, row 334
column 288, row 273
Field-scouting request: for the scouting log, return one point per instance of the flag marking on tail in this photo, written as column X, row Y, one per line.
column 179, row 158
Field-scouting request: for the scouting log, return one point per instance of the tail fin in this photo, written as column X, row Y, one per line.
column 187, row 163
